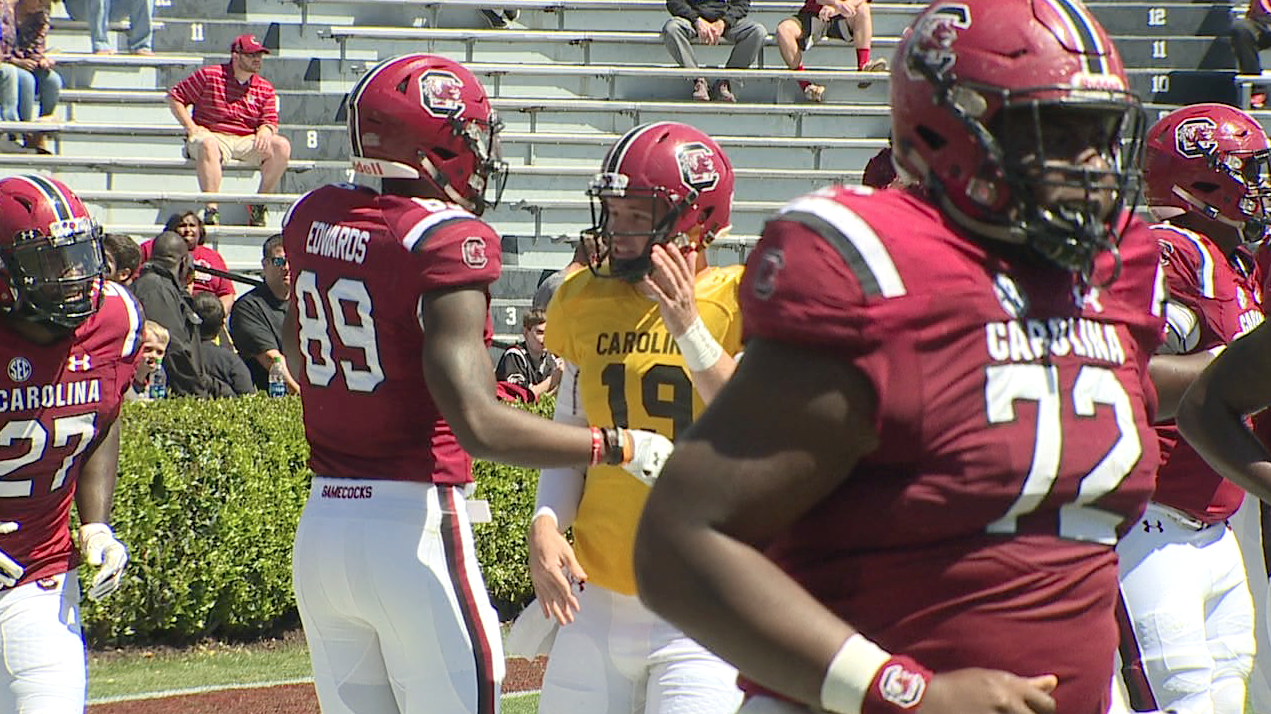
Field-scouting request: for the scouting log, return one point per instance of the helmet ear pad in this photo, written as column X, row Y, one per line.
column 51, row 259
column 421, row 116
column 685, row 175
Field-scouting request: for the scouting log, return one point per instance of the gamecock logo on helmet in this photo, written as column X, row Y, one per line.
column 441, row 93
column 1195, row 137
column 697, row 166
column 934, row 36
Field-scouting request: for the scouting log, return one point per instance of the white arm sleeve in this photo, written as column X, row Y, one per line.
column 1182, row 332
column 560, row 490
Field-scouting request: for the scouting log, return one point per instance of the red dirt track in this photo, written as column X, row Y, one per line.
column 286, row 699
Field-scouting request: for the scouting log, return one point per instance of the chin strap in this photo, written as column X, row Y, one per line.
column 1251, row 232
column 446, row 187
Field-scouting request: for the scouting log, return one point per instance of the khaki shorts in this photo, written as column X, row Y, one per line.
column 815, row 29
column 238, row 148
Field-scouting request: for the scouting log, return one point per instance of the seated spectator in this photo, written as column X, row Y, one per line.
column 255, row 323
column 100, row 13
column 1250, row 35
column 36, row 77
column 234, row 116
column 708, row 21
column 848, row 20
column 153, row 348
column 8, row 72
column 123, row 258
column 499, row 18
column 220, row 364
column 161, row 291
column 547, row 288
column 527, row 363
column 189, row 226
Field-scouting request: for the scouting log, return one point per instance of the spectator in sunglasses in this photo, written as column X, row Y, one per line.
column 255, row 323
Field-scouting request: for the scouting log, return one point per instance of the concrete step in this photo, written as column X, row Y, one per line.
column 1162, row 19
column 1175, row 52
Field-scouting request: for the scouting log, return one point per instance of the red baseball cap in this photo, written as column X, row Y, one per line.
column 247, row 44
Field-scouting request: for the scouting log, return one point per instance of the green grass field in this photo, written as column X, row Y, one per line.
column 140, row 671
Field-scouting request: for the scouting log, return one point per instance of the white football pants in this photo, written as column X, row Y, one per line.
column 617, row 657
column 44, row 668
column 390, row 593
column 1187, row 626
column 1247, row 526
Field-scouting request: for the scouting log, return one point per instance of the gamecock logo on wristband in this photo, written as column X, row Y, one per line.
column 901, row 687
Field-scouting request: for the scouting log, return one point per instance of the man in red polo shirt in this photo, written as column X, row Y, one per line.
column 229, row 112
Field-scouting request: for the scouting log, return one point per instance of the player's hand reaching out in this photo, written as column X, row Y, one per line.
column 10, row 571
column 988, row 691
column 554, row 570
column 100, row 547
column 673, row 283
column 648, row 454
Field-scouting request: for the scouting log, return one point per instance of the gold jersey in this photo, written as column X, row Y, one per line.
column 630, row 373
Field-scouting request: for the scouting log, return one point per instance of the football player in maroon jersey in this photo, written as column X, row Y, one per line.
column 387, row 333
column 909, row 494
column 69, row 342
column 1187, row 625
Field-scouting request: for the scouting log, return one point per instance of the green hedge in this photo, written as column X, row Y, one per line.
column 208, row 499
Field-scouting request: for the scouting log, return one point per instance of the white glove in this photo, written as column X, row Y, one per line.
column 649, row 452
column 10, row 571
column 99, row 546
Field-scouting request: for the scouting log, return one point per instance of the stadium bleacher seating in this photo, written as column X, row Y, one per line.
column 567, row 78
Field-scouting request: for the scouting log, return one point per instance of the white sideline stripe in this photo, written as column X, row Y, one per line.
column 163, row 694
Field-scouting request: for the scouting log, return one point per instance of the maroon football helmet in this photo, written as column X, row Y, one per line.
column 674, row 164
column 423, row 116
column 1212, row 159
column 50, row 252
column 972, row 87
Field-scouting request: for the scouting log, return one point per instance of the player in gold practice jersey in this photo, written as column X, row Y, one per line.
column 648, row 336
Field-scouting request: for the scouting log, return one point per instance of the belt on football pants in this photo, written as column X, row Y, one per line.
column 1183, row 519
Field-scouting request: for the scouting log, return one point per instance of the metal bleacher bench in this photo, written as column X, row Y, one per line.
column 561, row 8
column 581, row 38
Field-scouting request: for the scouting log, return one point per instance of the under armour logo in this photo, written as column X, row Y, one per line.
column 78, row 364
column 1148, row 525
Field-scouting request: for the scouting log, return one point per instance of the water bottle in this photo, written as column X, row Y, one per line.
column 158, row 383
column 277, row 379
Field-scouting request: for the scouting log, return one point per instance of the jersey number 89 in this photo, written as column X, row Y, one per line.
column 359, row 335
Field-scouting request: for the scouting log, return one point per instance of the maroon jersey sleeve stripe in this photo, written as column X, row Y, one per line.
column 842, row 245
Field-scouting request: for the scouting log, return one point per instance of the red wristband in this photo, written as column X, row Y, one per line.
column 897, row 687
column 597, row 446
